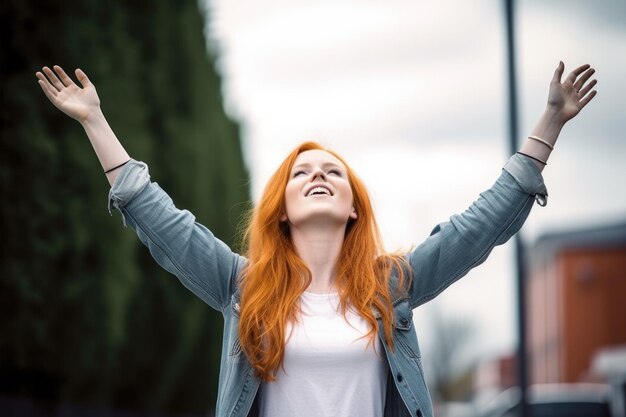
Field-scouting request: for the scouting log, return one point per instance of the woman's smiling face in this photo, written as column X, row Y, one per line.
column 318, row 190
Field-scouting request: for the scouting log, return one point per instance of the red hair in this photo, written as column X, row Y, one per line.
column 276, row 276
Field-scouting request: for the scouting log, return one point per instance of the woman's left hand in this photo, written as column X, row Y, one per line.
column 567, row 98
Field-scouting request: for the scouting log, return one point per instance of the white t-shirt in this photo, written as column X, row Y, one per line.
column 327, row 369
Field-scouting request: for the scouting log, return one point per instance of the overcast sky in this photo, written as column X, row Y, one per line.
column 412, row 94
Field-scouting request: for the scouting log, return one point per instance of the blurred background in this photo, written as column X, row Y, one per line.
column 213, row 95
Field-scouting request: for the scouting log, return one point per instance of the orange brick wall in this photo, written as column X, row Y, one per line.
column 577, row 304
column 594, row 306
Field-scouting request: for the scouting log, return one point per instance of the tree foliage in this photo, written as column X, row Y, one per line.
column 86, row 315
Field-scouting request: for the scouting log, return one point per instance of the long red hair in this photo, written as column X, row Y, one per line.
column 276, row 276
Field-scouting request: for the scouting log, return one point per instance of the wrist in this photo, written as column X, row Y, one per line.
column 93, row 117
column 553, row 117
column 549, row 125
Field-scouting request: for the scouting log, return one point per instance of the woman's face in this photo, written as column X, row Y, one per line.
column 318, row 191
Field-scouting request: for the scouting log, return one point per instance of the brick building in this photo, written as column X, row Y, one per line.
column 576, row 292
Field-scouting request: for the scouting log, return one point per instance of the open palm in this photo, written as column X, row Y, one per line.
column 76, row 102
column 570, row 96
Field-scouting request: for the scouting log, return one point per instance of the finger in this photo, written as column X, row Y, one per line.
column 583, row 79
column 587, row 99
column 53, row 79
column 67, row 81
column 558, row 73
column 82, row 78
column 47, row 90
column 574, row 74
column 586, row 89
column 45, row 85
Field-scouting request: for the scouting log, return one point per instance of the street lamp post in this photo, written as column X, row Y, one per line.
column 522, row 375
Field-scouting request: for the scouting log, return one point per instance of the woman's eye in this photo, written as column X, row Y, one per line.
column 334, row 171
column 295, row 174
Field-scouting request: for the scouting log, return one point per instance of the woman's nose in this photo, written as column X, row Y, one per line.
column 318, row 173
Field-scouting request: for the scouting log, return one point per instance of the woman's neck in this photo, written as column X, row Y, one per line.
column 319, row 248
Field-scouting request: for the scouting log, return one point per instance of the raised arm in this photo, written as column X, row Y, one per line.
column 463, row 242
column 182, row 246
column 176, row 241
column 456, row 246
column 83, row 105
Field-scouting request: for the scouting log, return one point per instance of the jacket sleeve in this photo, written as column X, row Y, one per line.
column 456, row 246
column 183, row 247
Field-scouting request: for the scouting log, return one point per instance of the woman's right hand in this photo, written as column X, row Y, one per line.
column 78, row 103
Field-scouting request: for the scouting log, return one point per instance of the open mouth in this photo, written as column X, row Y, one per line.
column 319, row 190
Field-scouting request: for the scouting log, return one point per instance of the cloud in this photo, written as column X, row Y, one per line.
column 608, row 14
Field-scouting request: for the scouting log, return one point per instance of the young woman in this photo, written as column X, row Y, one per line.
column 318, row 318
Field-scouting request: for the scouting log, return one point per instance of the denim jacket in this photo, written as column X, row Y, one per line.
column 207, row 267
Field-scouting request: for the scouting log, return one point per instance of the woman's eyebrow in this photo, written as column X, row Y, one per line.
column 301, row 165
column 332, row 164
column 325, row 164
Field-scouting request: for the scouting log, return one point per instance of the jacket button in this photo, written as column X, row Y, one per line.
column 399, row 377
column 418, row 413
column 404, row 321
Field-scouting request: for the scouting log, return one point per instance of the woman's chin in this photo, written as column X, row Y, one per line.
column 320, row 219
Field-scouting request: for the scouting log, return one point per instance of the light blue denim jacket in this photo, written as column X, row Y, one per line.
column 207, row 267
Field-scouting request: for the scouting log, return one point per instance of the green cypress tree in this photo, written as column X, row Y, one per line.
column 87, row 316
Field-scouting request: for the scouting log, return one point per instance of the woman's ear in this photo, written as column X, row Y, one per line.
column 353, row 213
column 283, row 217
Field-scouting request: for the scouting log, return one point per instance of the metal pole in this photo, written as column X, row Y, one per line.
column 522, row 376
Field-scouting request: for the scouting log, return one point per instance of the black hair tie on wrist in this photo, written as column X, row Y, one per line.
column 116, row 167
column 532, row 157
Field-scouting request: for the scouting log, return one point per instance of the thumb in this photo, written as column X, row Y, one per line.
column 82, row 77
column 558, row 72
